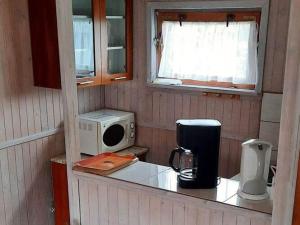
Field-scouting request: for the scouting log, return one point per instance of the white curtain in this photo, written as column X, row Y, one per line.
column 210, row 51
column 84, row 45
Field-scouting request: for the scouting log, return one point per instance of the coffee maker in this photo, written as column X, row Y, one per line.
column 198, row 151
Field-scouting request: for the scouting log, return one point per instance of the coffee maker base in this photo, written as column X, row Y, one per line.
column 195, row 184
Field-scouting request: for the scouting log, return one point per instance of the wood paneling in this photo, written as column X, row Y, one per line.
column 25, row 110
column 158, row 109
column 131, row 204
column 25, row 181
column 90, row 99
column 288, row 149
column 276, row 46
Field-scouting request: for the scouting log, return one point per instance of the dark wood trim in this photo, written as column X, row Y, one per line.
column 218, row 84
column 97, row 41
column 213, row 16
column 113, row 78
column 60, row 193
column 129, row 39
column 44, row 43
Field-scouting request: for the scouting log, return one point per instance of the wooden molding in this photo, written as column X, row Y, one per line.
column 288, row 152
column 33, row 137
column 70, row 100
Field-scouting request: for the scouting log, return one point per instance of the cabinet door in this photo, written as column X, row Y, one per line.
column 87, row 45
column 116, row 40
column 60, row 193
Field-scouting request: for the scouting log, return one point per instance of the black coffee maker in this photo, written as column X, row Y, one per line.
column 198, row 144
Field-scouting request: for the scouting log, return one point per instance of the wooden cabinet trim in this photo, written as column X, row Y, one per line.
column 109, row 78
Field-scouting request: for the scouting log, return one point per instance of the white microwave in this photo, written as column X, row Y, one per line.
column 106, row 131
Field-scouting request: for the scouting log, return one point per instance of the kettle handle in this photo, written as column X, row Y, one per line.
column 171, row 159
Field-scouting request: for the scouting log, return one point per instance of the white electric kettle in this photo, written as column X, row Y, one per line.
column 255, row 162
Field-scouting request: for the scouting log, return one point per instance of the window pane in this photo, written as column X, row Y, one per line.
column 210, row 51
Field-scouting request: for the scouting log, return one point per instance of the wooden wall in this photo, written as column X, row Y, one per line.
column 26, row 110
column 25, row 178
column 25, row 184
column 157, row 109
column 121, row 203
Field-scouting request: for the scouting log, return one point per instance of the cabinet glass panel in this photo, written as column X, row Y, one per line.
column 116, row 61
column 116, row 31
column 83, row 29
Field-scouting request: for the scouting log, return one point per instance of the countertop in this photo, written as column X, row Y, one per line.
column 164, row 178
column 133, row 150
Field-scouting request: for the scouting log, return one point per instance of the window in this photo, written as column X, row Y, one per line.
column 212, row 49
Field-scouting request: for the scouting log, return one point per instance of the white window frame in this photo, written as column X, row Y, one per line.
column 262, row 5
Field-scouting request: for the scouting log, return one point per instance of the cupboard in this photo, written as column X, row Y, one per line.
column 102, row 42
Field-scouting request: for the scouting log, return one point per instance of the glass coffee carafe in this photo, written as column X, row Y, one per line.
column 187, row 168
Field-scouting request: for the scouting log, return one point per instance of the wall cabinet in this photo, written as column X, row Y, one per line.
column 102, row 42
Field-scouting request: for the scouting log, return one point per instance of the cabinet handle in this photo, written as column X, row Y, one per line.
column 85, row 82
column 118, row 78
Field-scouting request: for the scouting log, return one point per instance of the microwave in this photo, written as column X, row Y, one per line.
column 106, row 131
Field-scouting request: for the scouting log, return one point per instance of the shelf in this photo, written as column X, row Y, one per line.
column 115, row 48
column 115, row 17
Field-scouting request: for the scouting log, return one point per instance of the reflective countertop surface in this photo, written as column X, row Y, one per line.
column 164, row 178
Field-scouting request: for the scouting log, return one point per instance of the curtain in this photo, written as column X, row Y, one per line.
column 210, row 51
column 84, row 45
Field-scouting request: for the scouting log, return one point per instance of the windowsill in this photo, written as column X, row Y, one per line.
column 220, row 90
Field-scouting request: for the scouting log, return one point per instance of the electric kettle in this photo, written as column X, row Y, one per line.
column 255, row 162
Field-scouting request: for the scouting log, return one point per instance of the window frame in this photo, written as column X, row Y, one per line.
column 230, row 7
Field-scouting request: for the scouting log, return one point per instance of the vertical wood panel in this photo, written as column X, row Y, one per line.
column 229, row 219
column 194, row 107
column 123, row 203
column 191, row 215
column 2, row 206
column 163, row 109
column 170, row 109
column 137, row 206
column 113, row 210
column 166, row 212
column 8, row 216
column 133, row 208
column 93, row 204
column 202, row 106
column 178, row 213
column 216, row 217
column 241, row 220
column 186, row 103
column 25, row 181
column 203, row 216
column 155, row 203
column 144, row 208
column 13, row 186
column 84, row 202
column 21, row 185
column 103, row 204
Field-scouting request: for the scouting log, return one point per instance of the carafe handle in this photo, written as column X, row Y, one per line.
column 171, row 159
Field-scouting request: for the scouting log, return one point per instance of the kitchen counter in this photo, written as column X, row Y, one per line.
column 165, row 179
